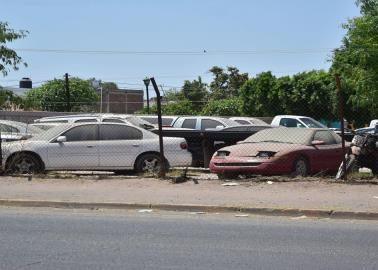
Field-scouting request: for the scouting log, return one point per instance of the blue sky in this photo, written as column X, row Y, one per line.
column 284, row 36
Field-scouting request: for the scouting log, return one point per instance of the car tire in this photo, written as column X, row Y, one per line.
column 149, row 163
column 24, row 163
column 228, row 175
column 300, row 167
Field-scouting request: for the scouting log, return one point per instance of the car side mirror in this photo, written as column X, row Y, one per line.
column 317, row 142
column 61, row 139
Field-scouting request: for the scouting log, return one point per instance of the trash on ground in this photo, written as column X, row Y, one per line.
column 230, row 184
column 145, row 211
column 197, row 213
column 242, row 215
column 269, row 182
column 301, row 217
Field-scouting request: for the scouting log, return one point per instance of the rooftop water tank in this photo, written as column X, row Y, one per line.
column 26, row 83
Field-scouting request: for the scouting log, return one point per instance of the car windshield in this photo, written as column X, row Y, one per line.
column 282, row 135
column 311, row 123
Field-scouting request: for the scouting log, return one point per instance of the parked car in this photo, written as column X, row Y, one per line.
column 373, row 123
column 14, row 131
column 204, row 122
column 276, row 151
column 249, row 121
column 167, row 121
column 93, row 146
column 296, row 121
column 370, row 130
column 97, row 117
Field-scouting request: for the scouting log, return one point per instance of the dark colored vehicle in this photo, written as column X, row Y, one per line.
column 363, row 153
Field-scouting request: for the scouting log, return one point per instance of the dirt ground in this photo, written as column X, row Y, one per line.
column 283, row 192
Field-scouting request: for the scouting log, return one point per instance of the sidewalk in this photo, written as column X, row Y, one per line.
column 304, row 195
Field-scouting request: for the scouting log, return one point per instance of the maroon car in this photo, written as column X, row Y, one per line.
column 294, row 151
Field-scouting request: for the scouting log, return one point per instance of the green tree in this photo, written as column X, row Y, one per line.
column 195, row 91
column 311, row 94
column 226, row 84
column 9, row 57
column 109, row 86
column 357, row 59
column 259, row 96
column 10, row 101
column 51, row 96
column 225, row 107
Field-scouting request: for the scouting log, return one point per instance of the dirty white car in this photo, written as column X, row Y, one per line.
column 93, row 146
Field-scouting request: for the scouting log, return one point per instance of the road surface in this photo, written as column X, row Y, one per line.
column 83, row 239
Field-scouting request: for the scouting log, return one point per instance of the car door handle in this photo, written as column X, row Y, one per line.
column 135, row 145
column 90, row 146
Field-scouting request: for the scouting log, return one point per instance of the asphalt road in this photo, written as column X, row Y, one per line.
column 73, row 239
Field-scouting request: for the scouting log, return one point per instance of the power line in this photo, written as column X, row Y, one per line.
column 193, row 52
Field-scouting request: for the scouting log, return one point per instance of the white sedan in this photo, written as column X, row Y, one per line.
column 93, row 146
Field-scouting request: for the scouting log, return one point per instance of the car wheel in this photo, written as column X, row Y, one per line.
column 228, row 175
column 24, row 163
column 148, row 163
column 301, row 167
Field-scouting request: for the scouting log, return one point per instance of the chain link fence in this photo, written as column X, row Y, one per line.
column 39, row 141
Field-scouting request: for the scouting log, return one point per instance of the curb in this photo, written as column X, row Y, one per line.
column 197, row 208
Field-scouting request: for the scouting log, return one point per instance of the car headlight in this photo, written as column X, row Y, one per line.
column 265, row 154
column 222, row 153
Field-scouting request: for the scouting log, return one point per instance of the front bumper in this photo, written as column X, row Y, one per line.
column 249, row 166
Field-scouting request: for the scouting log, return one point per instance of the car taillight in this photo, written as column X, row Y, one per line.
column 183, row 145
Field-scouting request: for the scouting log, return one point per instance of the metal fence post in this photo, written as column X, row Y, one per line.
column 341, row 117
column 158, row 104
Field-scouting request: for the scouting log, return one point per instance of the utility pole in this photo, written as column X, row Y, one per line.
column 68, row 96
column 341, row 117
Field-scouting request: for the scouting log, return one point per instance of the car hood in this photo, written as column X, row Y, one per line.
column 252, row 149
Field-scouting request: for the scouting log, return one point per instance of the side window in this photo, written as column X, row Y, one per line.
column 324, row 136
column 10, row 129
column 289, row 122
column 242, row 122
column 209, row 123
column 119, row 132
column 111, row 120
column 86, row 121
column 189, row 123
column 82, row 133
column 166, row 121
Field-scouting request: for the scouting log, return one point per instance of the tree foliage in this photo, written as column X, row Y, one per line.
column 357, row 59
column 8, row 57
column 226, row 84
column 10, row 101
column 306, row 93
column 224, row 107
column 195, row 91
column 52, row 96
